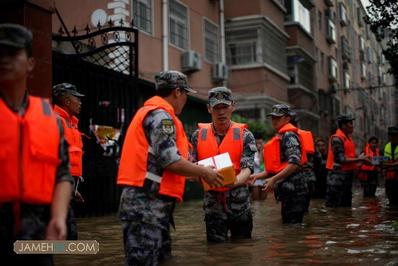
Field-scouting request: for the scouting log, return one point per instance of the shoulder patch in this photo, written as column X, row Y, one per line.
column 167, row 126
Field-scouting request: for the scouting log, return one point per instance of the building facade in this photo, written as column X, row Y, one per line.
column 318, row 56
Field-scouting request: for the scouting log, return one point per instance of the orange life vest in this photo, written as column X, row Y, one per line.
column 362, row 174
column 272, row 150
column 369, row 152
column 29, row 154
column 133, row 162
column 349, row 152
column 232, row 143
column 74, row 139
column 308, row 141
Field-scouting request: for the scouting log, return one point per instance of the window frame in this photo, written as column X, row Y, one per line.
column 217, row 52
column 152, row 27
column 187, row 25
column 254, row 42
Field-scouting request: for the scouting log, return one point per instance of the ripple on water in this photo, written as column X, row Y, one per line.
column 353, row 251
column 352, row 225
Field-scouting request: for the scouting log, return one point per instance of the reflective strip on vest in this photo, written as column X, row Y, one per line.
column 153, row 177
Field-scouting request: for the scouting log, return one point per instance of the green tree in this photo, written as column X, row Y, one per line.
column 263, row 128
column 383, row 22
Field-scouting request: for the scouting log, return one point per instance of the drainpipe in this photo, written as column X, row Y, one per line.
column 222, row 37
column 165, row 35
column 222, row 32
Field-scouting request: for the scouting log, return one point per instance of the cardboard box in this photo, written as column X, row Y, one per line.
column 224, row 166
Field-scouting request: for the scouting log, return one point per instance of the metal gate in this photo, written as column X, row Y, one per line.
column 103, row 64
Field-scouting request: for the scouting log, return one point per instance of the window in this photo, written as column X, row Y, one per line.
column 331, row 36
column 359, row 17
column 301, row 15
column 361, row 43
column 332, row 69
column 343, row 14
column 363, row 70
column 142, row 14
column 273, row 49
column 346, row 80
column 178, row 20
column 380, row 74
column 369, row 54
column 211, row 41
column 242, row 47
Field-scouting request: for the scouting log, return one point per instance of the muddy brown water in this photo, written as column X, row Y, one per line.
column 365, row 234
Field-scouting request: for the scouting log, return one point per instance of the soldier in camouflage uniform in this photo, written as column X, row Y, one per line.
column 21, row 219
column 145, row 209
column 227, row 209
column 286, row 177
column 341, row 163
column 308, row 168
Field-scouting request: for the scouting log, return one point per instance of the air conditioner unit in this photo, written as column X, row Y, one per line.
column 220, row 72
column 191, row 61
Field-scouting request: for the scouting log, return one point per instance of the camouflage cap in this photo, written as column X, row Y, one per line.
column 281, row 110
column 219, row 95
column 344, row 118
column 15, row 35
column 393, row 130
column 66, row 88
column 172, row 79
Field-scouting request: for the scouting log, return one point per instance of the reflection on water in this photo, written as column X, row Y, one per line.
column 363, row 234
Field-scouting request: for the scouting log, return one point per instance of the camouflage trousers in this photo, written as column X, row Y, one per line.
column 339, row 189
column 146, row 230
column 310, row 177
column 293, row 193
column 228, row 211
column 71, row 224
column 33, row 223
column 370, row 185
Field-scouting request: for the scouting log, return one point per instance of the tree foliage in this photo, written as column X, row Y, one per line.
column 383, row 21
column 263, row 128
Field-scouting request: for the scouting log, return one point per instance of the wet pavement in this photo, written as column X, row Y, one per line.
column 366, row 234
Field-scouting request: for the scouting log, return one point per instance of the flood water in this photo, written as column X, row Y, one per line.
column 366, row 234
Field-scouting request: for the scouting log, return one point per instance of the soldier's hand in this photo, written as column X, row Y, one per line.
column 56, row 229
column 269, row 184
column 212, row 177
column 251, row 179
